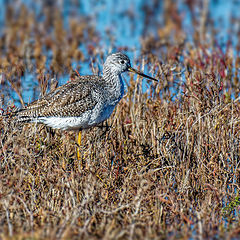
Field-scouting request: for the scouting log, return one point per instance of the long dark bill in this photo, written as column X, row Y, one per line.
column 130, row 69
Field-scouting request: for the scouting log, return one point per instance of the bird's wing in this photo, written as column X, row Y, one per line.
column 71, row 99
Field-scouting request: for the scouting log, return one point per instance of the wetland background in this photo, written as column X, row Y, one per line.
column 168, row 166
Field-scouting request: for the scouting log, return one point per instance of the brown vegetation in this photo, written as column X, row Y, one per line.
column 168, row 166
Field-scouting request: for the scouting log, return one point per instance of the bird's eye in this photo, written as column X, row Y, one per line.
column 122, row 61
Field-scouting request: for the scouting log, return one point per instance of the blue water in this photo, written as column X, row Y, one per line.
column 122, row 23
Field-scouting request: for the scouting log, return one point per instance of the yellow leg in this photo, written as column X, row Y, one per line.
column 79, row 144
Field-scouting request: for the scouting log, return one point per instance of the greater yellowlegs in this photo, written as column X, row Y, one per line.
column 83, row 102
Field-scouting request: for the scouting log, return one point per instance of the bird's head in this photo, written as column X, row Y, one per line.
column 119, row 63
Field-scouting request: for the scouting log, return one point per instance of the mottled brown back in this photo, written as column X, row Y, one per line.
column 71, row 99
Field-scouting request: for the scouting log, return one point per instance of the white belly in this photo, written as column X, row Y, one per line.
column 86, row 120
column 104, row 114
column 66, row 123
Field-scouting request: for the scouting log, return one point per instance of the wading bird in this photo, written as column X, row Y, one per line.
column 83, row 102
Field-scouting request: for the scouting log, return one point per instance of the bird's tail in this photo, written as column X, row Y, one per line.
column 12, row 113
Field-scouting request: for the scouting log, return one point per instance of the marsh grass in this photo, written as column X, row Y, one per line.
column 167, row 167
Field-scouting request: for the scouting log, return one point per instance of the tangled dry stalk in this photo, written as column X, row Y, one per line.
column 168, row 166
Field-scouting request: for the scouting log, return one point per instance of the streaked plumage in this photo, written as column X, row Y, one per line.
column 83, row 102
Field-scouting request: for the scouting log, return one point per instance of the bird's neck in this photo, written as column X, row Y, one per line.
column 113, row 82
